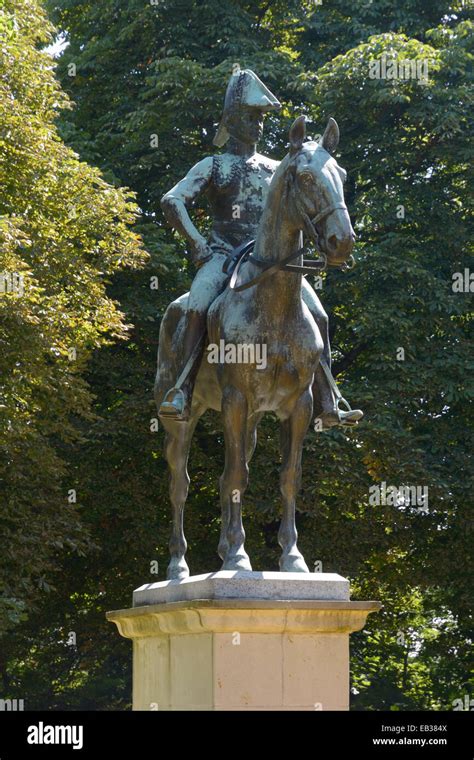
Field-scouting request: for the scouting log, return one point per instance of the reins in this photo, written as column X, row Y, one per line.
column 309, row 266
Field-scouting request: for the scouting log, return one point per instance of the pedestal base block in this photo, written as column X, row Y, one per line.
column 227, row 653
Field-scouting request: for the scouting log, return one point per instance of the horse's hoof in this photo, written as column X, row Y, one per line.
column 293, row 563
column 178, row 570
column 241, row 562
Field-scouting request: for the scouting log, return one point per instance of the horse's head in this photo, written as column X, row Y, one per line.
column 316, row 192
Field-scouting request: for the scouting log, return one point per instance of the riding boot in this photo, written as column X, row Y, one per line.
column 326, row 407
column 177, row 401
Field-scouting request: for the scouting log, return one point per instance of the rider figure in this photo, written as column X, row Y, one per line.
column 236, row 183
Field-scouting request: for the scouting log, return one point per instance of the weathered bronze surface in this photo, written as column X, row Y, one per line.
column 280, row 317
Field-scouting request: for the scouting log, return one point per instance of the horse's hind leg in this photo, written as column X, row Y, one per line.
column 293, row 431
column 177, row 443
column 234, row 479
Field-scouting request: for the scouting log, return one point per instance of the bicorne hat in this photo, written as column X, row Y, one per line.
column 244, row 88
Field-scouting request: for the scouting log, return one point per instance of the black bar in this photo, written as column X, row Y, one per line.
column 369, row 734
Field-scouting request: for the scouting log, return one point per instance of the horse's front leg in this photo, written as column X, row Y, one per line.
column 252, row 424
column 293, row 431
column 234, row 479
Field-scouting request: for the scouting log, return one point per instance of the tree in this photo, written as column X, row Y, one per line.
column 63, row 232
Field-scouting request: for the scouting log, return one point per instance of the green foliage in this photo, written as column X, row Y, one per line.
column 63, row 230
column 160, row 70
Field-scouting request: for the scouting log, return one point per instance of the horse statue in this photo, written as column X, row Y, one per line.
column 261, row 306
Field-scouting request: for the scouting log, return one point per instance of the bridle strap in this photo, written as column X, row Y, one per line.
column 310, row 224
column 328, row 211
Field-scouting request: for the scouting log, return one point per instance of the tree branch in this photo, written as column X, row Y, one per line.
column 348, row 359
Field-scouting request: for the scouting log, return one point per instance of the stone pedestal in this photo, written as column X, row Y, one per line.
column 242, row 641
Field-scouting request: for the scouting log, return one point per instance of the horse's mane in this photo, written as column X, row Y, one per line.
column 280, row 184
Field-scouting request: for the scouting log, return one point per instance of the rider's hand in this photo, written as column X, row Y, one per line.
column 200, row 252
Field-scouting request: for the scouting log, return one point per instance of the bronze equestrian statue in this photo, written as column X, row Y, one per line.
column 267, row 303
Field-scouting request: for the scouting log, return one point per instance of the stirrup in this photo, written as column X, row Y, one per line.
column 173, row 412
column 342, row 400
column 336, row 416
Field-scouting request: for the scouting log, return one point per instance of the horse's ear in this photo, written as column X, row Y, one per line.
column 330, row 138
column 297, row 134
